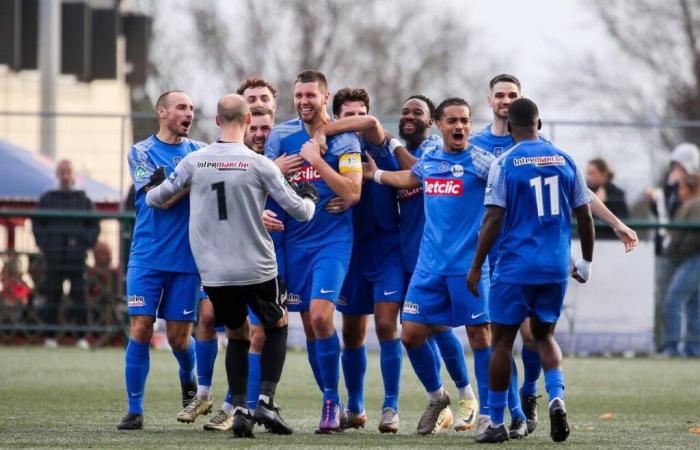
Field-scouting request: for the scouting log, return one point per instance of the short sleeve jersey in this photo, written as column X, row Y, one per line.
column 377, row 213
column 453, row 191
column 160, row 238
column 411, row 215
column 538, row 185
column 343, row 150
column 486, row 140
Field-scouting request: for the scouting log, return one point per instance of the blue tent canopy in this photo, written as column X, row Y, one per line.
column 24, row 176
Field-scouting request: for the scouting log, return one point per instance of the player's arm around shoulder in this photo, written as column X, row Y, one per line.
column 172, row 188
column 347, row 181
column 299, row 203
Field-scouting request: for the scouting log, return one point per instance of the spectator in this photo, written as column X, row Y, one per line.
column 64, row 243
column 684, row 289
column 14, row 293
column 599, row 179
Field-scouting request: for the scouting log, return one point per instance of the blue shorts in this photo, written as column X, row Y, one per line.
column 510, row 303
column 445, row 300
column 316, row 273
column 376, row 275
column 166, row 295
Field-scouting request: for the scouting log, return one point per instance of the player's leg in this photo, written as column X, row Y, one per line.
column 499, row 380
column 311, row 348
column 390, row 361
column 257, row 341
column 507, row 307
column 355, row 303
column 547, row 305
column 267, row 305
column 144, row 288
column 532, row 367
column 354, row 362
column 179, row 307
column 206, row 348
column 473, row 313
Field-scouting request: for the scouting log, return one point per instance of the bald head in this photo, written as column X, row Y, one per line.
column 232, row 108
column 64, row 175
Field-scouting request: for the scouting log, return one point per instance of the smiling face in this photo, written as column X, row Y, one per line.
column 415, row 120
column 502, row 95
column 258, row 131
column 454, row 124
column 310, row 100
column 177, row 114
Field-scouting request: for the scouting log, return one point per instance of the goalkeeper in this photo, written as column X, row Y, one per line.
column 234, row 253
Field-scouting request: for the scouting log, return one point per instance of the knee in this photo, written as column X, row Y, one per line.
column 479, row 336
column 386, row 329
column 411, row 340
column 141, row 331
column 257, row 339
column 179, row 341
column 321, row 324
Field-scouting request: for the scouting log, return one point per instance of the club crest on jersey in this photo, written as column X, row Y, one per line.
column 497, row 151
column 444, row 166
column 136, row 301
column 141, row 173
column 443, row 187
column 457, row 170
column 406, row 194
column 411, row 308
column 176, row 160
column 306, row 173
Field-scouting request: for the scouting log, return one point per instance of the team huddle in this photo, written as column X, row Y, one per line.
column 318, row 214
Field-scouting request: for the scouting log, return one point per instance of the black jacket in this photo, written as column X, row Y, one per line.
column 65, row 239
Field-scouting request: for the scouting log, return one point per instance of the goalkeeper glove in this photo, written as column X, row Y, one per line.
column 157, row 178
column 307, row 190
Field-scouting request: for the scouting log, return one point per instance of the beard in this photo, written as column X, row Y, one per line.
column 418, row 132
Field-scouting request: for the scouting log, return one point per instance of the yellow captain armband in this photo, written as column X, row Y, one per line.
column 350, row 162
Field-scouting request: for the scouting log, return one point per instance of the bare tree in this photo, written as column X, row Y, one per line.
column 659, row 62
column 393, row 48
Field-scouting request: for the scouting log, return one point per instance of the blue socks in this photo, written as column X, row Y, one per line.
column 354, row 368
column 453, row 354
column 390, row 359
column 423, row 361
column 253, row 380
column 516, row 410
column 186, row 360
column 206, row 356
column 313, row 361
column 137, row 363
column 328, row 357
column 433, row 345
column 481, row 369
column 497, row 406
column 531, row 372
column 554, row 383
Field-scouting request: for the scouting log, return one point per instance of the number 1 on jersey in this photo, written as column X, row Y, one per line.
column 221, row 199
column 553, row 183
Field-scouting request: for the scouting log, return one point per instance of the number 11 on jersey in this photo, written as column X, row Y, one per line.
column 553, row 183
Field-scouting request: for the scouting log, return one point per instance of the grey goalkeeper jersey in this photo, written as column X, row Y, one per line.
column 229, row 186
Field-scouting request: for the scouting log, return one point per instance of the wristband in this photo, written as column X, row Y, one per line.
column 393, row 143
column 378, row 176
column 583, row 268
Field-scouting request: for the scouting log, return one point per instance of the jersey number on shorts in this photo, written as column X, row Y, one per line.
column 220, row 199
column 553, row 183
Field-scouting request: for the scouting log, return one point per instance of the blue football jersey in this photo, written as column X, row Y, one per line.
column 538, row 185
column 453, row 192
column 324, row 227
column 411, row 215
column 492, row 143
column 161, row 237
column 377, row 213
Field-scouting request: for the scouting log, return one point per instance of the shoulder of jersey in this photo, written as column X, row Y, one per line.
column 144, row 146
column 484, row 132
column 288, row 127
column 431, row 144
column 341, row 141
column 196, row 144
